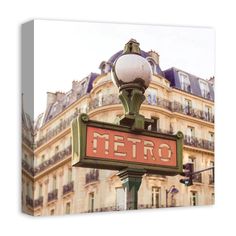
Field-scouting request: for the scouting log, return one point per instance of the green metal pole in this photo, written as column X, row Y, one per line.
column 131, row 181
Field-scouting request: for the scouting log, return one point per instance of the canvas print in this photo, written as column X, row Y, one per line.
column 116, row 117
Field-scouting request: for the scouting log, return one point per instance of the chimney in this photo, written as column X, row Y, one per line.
column 154, row 55
column 75, row 85
column 212, row 80
column 51, row 98
column 59, row 96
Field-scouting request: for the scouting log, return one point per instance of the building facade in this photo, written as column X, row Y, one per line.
column 175, row 99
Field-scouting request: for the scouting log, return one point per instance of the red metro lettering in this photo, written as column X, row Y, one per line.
column 117, row 145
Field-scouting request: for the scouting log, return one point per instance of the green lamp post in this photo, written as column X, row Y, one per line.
column 131, row 73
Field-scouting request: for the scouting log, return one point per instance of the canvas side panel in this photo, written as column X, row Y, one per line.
column 27, row 83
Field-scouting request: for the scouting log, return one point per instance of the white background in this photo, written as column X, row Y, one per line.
column 70, row 50
column 218, row 219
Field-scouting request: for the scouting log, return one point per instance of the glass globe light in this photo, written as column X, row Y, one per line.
column 131, row 70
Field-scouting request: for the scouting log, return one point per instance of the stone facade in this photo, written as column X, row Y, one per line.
column 51, row 186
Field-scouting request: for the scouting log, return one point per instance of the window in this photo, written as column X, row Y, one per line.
column 190, row 134
column 212, row 198
column 187, row 106
column 54, row 183
column 208, row 113
column 42, row 158
column 212, row 173
column 91, row 202
column 156, row 125
column 156, row 197
column 67, row 99
column 27, row 189
column 193, row 199
column 40, row 190
column 152, row 96
column 120, row 199
column 184, row 82
column 69, row 175
column 152, row 65
column 211, row 136
column 56, row 149
column 194, row 161
column 70, row 140
column 52, row 212
column 100, row 98
column 83, row 85
column 26, row 157
column 204, row 89
column 67, row 208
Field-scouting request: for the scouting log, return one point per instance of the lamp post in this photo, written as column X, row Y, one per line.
column 131, row 73
column 173, row 190
column 127, row 146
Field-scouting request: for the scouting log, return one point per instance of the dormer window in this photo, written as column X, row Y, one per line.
column 83, row 84
column 54, row 108
column 152, row 64
column 184, row 82
column 205, row 91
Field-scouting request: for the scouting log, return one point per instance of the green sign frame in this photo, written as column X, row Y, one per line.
column 79, row 159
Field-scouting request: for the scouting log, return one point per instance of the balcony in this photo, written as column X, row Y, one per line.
column 27, row 141
column 198, row 143
column 103, row 101
column 113, row 99
column 68, row 188
column 34, row 203
column 92, row 176
column 197, row 178
column 53, row 132
column 27, row 167
column 54, row 159
column 52, row 195
column 29, row 201
column 38, row 202
column 160, row 102
column 188, row 110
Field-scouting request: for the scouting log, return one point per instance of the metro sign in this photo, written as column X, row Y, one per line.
column 115, row 147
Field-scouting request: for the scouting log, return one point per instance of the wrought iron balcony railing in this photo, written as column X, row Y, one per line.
column 121, row 208
column 34, row 203
column 52, row 195
column 46, row 164
column 27, row 141
column 53, row 132
column 68, row 188
column 38, row 202
column 27, row 167
column 103, row 101
column 29, row 201
column 54, row 159
column 92, row 176
column 190, row 111
column 199, row 143
column 113, row 99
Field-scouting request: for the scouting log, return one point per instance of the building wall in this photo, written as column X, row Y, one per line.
column 86, row 187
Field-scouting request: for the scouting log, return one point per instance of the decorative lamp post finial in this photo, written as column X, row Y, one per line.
column 132, row 47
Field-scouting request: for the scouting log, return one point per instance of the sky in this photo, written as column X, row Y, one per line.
column 68, row 50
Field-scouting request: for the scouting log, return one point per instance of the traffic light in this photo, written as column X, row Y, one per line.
column 187, row 172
